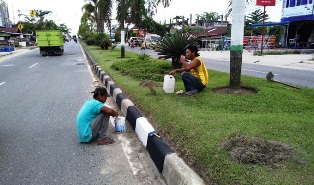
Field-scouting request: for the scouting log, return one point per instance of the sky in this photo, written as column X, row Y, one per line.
column 187, row 7
column 69, row 12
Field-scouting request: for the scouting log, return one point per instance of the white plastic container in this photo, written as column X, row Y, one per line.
column 119, row 124
column 169, row 83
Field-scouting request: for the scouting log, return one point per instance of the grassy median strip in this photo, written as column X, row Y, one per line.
column 272, row 129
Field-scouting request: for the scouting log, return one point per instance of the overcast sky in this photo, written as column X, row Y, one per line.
column 69, row 11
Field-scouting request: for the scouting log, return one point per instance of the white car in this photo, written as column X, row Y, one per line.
column 136, row 41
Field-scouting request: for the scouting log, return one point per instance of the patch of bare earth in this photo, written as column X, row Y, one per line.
column 250, row 150
column 243, row 90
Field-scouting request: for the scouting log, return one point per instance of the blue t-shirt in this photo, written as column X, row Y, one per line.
column 85, row 116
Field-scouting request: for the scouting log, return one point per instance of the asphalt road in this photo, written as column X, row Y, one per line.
column 286, row 75
column 39, row 100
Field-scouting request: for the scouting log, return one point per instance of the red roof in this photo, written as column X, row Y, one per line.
column 212, row 31
column 9, row 30
column 219, row 30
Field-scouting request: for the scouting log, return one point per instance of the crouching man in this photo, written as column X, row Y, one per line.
column 93, row 119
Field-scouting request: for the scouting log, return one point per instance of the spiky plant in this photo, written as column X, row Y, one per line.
column 173, row 46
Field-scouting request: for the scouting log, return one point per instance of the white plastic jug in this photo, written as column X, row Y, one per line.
column 169, row 83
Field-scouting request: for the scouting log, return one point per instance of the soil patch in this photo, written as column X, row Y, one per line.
column 243, row 90
column 244, row 149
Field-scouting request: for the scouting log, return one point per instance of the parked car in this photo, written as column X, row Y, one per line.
column 152, row 40
column 136, row 41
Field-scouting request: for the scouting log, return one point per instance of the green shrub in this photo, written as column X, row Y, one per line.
column 112, row 47
column 148, row 69
column 104, row 44
column 91, row 41
column 174, row 45
column 143, row 56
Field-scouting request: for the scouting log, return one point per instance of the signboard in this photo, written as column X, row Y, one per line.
column 20, row 26
column 32, row 13
column 135, row 30
column 266, row 2
column 141, row 32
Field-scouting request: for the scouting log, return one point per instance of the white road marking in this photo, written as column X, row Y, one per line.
column 127, row 148
column 33, row 65
column 8, row 65
column 257, row 71
column 2, row 83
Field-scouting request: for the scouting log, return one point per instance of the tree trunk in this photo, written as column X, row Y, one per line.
column 236, row 49
column 235, row 69
column 176, row 64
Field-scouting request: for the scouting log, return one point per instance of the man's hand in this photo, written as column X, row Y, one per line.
column 109, row 111
column 182, row 60
column 116, row 113
column 172, row 72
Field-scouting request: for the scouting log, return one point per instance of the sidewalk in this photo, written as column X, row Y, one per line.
column 17, row 51
column 294, row 61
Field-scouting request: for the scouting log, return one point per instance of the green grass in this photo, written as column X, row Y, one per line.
column 199, row 124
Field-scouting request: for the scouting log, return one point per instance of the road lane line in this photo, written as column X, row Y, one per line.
column 257, row 71
column 33, row 65
column 8, row 65
column 136, row 166
column 2, row 83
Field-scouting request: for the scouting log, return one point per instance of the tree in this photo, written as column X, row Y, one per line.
column 236, row 39
column 89, row 16
column 236, row 48
column 254, row 18
column 207, row 17
column 230, row 7
column 39, row 22
column 174, row 45
column 136, row 11
column 97, row 11
column 105, row 11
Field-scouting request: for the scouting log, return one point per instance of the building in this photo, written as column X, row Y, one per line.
column 4, row 15
column 299, row 14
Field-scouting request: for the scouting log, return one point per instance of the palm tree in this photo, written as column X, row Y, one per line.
column 89, row 18
column 230, row 7
column 236, row 49
column 165, row 3
column 90, row 13
column 173, row 46
column 97, row 11
column 105, row 11
column 254, row 18
column 134, row 10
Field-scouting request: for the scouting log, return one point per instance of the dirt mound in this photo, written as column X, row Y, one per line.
column 243, row 90
column 245, row 149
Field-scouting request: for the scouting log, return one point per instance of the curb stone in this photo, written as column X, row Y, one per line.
column 173, row 168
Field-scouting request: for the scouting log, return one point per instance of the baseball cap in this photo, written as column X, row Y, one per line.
column 101, row 90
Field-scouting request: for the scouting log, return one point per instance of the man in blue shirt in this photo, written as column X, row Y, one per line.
column 93, row 119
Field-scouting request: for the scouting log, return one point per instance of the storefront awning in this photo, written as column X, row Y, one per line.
column 4, row 34
column 272, row 24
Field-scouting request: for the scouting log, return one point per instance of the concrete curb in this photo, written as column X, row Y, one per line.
column 173, row 168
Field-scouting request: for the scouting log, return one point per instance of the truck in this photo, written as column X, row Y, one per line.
column 50, row 42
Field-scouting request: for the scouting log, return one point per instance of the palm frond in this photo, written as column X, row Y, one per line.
column 174, row 45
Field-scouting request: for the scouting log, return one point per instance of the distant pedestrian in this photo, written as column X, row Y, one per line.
column 194, row 74
column 93, row 119
column 143, row 45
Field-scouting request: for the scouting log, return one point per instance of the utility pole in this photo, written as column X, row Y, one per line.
column 122, row 30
